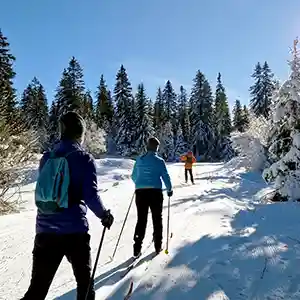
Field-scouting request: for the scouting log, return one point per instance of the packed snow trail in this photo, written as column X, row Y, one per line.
column 224, row 245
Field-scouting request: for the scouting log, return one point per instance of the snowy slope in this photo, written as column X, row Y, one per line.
column 225, row 245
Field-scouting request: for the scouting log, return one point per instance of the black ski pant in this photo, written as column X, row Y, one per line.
column 48, row 252
column 145, row 199
column 186, row 172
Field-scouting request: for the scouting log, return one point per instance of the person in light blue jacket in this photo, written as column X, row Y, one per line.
column 148, row 172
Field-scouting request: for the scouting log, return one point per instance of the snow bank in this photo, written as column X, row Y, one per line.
column 117, row 163
column 113, row 169
column 251, row 152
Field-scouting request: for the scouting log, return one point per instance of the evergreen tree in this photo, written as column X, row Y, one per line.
column 34, row 111
column 26, row 100
column 170, row 103
column 256, row 91
column 166, row 138
column 158, row 114
column 285, row 138
column 88, row 106
column 222, row 115
column 144, row 128
column 201, row 116
column 7, row 74
column 125, row 110
column 261, row 91
column 238, row 120
column 180, row 145
column 184, row 117
column 246, row 118
column 269, row 86
column 104, row 108
column 70, row 92
column 53, row 124
column 222, row 121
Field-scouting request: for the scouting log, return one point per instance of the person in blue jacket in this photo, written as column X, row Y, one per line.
column 65, row 233
column 147, row 173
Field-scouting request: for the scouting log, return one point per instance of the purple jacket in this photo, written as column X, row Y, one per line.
column 83, row 192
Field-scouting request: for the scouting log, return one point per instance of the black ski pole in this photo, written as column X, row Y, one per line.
column 168, row 226
column 113, row 256
column 95, row 265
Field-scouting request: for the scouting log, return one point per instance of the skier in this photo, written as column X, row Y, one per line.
column 64, row 232
column 147, row 173
column 189, row 160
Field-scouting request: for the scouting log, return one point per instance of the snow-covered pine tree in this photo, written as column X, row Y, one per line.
column 261, row 91
column 222, row 122
column 87, row 106
column 53, row 124
column 285, row 140
column 125, row 110
column 7, row 74
column 34, row 111
column 166, row 138
column 159, row 113
column 222, row 115
column 70, row 92
column 170, row 102
column 180, row 145
column 246, row 118
column 201, row 117
column 144, row 129
column 104, row 106
column 26, row 100
column 184, row 117
column 256, row 92
column 269, row 86
column 238, row 122
column 94, row 140
column 111, row 128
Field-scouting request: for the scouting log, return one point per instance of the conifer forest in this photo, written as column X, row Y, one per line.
column 125, row 117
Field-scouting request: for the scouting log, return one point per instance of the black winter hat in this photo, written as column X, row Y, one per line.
column 72, row 126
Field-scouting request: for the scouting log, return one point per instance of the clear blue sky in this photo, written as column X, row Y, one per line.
column 156, row 40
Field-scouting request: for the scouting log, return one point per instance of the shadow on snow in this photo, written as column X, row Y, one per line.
column 259, row 259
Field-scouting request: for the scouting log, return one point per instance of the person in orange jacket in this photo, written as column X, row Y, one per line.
column 189, row 160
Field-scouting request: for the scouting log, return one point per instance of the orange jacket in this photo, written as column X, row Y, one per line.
column 189, row 160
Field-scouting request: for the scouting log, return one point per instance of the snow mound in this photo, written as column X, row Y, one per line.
column 117, row 163
column 113, row 169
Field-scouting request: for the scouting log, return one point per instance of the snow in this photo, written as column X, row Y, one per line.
column 226, row 243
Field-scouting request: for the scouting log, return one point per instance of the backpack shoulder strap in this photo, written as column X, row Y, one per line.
column 53, row 154
column 71, row 152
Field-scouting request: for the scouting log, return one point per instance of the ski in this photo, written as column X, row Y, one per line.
column 128, row 295
column 146, row 259
column 135, row 260
column 130, row 290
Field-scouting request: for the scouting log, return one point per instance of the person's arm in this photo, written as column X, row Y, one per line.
column 165, row 176
column 90, row 190
column 43, row 160
column 134, row 172
column 194, row 159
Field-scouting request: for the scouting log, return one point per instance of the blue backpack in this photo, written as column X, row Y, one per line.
column 51, row 193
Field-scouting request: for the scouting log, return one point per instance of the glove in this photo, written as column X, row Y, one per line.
column 170, row 193
column 107, row 220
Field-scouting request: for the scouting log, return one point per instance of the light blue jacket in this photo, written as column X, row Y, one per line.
column 148, row 171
